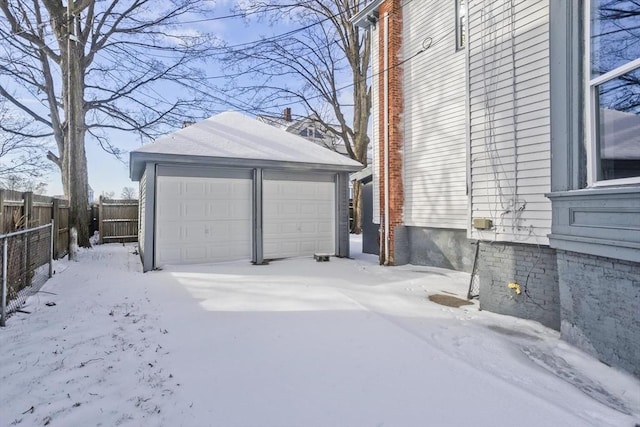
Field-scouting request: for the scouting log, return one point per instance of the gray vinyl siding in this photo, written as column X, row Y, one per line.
column 509, row 119
column 375, row 122
column 434, row 83
column 141, row 213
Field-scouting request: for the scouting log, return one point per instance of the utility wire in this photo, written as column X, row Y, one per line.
column 427, row 44
column 297, row 30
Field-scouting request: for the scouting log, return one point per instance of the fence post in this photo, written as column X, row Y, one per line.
column 53, row 232
column 100, row 217
column 55, row 218
column 27, row 210
column 2, row 217
column 27, row 198
column 5, row 253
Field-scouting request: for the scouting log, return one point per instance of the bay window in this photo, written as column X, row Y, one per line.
column 613, row 92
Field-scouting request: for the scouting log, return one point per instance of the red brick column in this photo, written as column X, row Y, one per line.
column 392, row 8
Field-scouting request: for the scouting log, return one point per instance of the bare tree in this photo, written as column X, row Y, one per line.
column 24, row 183
column 96, row 65
column 108, row 195
column 21, row 158
column 129, row 193
column 321, row 67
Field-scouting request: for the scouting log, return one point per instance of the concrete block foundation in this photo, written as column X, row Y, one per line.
column 532, row 272
column 600, row 299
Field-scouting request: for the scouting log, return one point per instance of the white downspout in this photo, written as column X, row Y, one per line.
column 386, row 138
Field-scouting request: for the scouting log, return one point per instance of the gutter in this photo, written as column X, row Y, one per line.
column 386, row 234
column 368, row 16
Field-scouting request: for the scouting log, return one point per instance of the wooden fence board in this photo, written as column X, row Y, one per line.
column 19, row 210
column 118, row 220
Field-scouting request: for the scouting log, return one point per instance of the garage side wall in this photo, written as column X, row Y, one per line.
column 147, row 216
column 142, row 190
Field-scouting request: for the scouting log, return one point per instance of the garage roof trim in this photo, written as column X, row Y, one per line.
column 236, row 136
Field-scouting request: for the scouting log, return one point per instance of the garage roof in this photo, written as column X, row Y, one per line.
column 233, row 139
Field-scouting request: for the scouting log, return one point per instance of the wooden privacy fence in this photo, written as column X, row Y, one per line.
column 118, row 220
column 20, row 210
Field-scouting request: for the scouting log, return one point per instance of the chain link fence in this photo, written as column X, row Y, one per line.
column 27, row 263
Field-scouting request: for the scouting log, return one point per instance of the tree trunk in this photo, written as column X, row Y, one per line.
column 356, row 227
column 361, row 145
column 362, row 99
column 74, row 161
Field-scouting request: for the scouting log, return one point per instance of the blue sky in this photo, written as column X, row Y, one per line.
column 109, row 174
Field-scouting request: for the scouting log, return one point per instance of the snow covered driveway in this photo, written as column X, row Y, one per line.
column 294, row 343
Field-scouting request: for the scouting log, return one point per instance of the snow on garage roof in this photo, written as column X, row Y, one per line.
column 249, row 142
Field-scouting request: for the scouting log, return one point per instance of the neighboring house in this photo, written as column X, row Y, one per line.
column 419, row 134
column 309, row 127
column 233, row 188
column 481, row 118
column 370, row 231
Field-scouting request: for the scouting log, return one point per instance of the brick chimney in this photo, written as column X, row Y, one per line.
column 287, row 114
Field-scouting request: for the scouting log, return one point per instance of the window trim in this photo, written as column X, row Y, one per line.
column 590, row 100
column 460, row 45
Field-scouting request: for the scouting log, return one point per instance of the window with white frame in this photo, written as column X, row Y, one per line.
column 613, row 96
column 461, row 27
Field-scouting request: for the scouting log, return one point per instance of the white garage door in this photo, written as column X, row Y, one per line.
column 202, row 220
column 298, row 218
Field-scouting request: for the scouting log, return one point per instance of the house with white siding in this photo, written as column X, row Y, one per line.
column 481, row 164
column 309, row 127
column 419, row 135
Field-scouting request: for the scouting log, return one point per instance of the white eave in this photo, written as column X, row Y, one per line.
column 362, row 175
column 368, row 16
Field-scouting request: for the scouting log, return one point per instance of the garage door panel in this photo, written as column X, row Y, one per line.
column 168, row 210
column 192, row 211
column 167, row 253
column 325, row 227
column 219, row 190
column 298, row 218
column 220, row 211
column 309, row 228
column 197, row 253
column 235, row 229
column 310, row 208
column 203, row 219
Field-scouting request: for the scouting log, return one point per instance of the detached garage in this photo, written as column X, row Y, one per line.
column 233, row 188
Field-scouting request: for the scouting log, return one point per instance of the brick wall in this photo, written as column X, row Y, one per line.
column 533, row 268
column 395, row 102
column 601, row 307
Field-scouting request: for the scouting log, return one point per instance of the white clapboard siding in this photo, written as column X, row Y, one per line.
column 141, row 212
column 434, row 118
column 375, row 122
column 509, row 118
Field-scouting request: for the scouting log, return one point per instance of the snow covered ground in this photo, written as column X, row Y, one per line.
column 293, row 343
